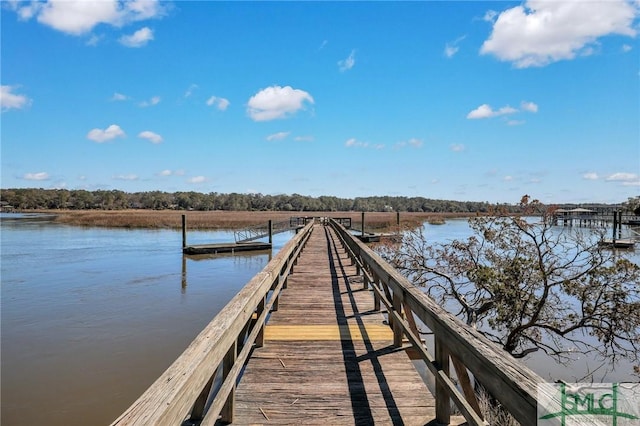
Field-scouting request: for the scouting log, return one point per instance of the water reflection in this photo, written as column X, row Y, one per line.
column 240, row 260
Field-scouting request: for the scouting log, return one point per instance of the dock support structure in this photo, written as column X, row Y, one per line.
column 184, row 231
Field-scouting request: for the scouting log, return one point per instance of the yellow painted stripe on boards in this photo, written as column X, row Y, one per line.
column 371, row 332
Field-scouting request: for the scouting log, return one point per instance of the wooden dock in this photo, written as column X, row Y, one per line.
column 225, row 248
column 622, row 243
column 306, row 341
column 328, row 356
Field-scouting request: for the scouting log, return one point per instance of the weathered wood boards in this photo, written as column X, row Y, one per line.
column 511, row 382
column 179, row 391
column 328, row 356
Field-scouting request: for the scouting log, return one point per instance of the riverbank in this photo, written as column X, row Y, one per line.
column 228, row 220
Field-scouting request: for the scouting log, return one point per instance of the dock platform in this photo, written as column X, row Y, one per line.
column 328, row 356
column 225, row 248
column 623, row 243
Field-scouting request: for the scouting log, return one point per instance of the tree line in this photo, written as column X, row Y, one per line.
column 37, row 198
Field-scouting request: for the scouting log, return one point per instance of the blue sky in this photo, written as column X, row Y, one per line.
column 478, row 101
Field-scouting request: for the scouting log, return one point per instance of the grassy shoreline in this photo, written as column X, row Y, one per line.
column 228, row 220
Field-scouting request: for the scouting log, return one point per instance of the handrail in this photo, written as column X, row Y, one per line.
column 183, row 390
column 263, row 230
column 509, row 381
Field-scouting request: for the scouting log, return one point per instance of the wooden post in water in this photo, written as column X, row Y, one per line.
column 270, row 232
column 362, row 224
column 184, row 230
column 620, row 224
column 615, row 225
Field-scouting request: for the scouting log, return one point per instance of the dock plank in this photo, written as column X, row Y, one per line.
column 328, row 356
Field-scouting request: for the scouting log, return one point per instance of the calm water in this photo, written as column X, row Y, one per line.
column 91, row 317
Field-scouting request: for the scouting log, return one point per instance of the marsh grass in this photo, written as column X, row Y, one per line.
column 229, row 220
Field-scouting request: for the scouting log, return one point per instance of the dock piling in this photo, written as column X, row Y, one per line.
column 184, row 231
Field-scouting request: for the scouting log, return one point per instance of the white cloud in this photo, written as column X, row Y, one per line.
column 190, row 90
column 631, row 183
column 155, row 100
column 138, row 39
column 626, row 48
column 541, row 32
column 622, row 177
column 168, row 172
column 78, row 17
column 278, row 136
column 413, row 142
column 353, row 142
column 139, row 10
column 93, row 40
column 451, row 48
column 197, row 179
column 490, row 16
column 150, row 136
column 111, row 132
column 528, row 106
column 126, row 177
column 347, row 63
column 119, row 97
column 307, row 138
column 277, row 102
column 457, row 147
column 24, row 11
column 10, row 100
column 590, row 176
column 416, row 143
column 36, row 176
column 485, row 111
column 507, row 178
column 515, row 122
column 221, row 103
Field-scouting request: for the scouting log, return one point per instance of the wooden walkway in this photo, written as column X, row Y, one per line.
column 328, row 356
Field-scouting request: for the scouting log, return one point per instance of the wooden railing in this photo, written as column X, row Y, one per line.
column 456, row 344
column 188, row 389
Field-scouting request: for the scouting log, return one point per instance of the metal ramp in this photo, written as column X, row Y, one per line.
column 271, row 228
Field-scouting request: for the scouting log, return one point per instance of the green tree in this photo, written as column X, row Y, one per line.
column 529, row 286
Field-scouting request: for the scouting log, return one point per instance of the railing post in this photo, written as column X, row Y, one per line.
column 276, row 301
column 397, row 327
column 197, row 412
column 443, row 398
column 270, row 232
column 365, row 278
column 260, row 337
column 376, row 296
column 227, row 364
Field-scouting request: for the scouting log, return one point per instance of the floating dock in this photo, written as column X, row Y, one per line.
column 225, row 248
column 623, row 243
